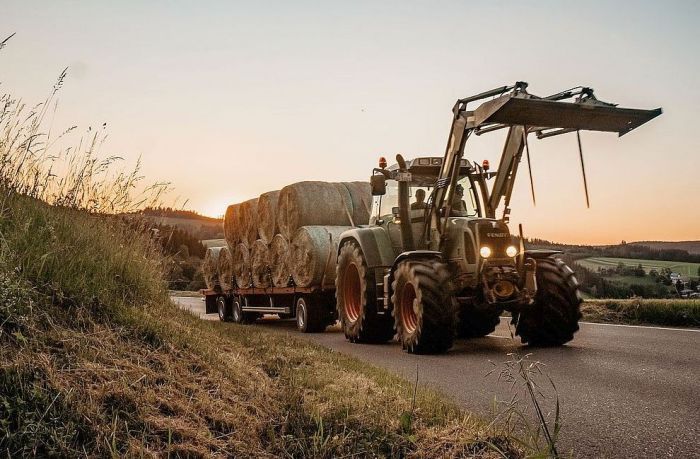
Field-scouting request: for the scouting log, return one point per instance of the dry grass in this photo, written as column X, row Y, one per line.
column 676, row 312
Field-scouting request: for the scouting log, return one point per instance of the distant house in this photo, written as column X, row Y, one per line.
column 675, row 277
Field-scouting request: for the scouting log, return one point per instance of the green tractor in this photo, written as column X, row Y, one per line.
column 435, row 263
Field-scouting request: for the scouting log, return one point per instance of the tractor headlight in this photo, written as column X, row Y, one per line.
column 511, row 251
column 485, row 252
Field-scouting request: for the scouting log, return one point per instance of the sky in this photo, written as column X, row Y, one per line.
column 227, row 100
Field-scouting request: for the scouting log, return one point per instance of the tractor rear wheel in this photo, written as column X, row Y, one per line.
column 553, row 318
column 355, row 293
column 477, row 321
column 425, row 311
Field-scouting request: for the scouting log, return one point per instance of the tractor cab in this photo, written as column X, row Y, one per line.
column 422, row 174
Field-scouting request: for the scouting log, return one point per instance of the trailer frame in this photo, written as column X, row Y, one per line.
column 312, row 307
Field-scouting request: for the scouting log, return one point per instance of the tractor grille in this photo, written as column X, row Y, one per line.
column 496, row 236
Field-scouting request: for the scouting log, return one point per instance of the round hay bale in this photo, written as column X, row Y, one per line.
column 260, row 264
column 225, row 269
column 267, row 208
column 312, row 203
column 241, row 265
column 313, row 255
column 279, row 261
column 210, row 267
column 249, row 221
column 361, row 197
column 232, row 225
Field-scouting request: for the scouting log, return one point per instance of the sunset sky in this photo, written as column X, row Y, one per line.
column 227, row 100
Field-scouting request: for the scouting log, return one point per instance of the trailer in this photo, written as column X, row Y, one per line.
column 312, row 307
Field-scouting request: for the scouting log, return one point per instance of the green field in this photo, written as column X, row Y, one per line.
column 684, row 269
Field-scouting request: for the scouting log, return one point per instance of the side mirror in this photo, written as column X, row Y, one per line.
column 378, row 184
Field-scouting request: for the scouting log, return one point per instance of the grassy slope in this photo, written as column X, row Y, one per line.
column 95, row 360
column 680, row 312
column 685, row 269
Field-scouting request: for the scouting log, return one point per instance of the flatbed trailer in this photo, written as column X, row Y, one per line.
column 312, row 307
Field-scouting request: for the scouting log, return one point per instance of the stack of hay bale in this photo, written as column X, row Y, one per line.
column 290, row 237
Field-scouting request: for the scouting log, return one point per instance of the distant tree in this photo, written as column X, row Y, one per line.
column 693, row 284
column 639, row 271
column 653, row 273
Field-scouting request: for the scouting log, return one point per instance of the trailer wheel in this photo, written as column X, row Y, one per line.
column 223, row 307
column 309, row 316
column 244, row 317
column 425, row 311
column 236, row 312
column 553, row 319
column 355, row 293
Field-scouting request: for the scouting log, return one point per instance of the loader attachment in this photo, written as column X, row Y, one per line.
column 537, row 114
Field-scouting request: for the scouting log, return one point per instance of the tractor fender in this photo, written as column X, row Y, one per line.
column 374, row 243
column 410, row 255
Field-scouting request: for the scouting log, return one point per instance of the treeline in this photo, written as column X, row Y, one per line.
column 598, row 285
column 176, row 241
column 186, row 254
column 622, row 250
column 177, row 213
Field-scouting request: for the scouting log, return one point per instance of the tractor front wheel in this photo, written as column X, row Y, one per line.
column 476, row 321
column 425, row 311
column 553, row 318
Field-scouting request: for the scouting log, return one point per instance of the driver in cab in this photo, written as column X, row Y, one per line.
column 419, row 204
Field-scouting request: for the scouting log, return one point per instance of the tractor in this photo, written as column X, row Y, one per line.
column 436, row 263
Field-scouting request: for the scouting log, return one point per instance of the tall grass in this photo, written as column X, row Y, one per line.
column 34, row 161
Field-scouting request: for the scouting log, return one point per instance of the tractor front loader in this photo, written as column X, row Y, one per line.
column 436, row 262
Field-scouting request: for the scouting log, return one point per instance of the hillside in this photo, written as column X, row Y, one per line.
column 96, row 361
column 692, row 247
column 199, row 226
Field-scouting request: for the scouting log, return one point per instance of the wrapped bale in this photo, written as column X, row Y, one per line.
column 225, row 269
column 361, row 197
column 267, row 209
column 249, row 221
column 210, row 267
column 312, row 203
column 241, row 265
column 260, row 264
column 232, row 225
column 313, row 255
column 279, row 261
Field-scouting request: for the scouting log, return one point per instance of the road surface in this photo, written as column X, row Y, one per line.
column 625, row 391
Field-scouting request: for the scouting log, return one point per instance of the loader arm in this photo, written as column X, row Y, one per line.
column 512, row 107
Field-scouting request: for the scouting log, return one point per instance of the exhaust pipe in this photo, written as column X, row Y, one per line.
column 404, row 209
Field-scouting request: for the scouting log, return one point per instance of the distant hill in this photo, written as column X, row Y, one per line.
column 692, row 247
column 199, row 226
column 655, row 250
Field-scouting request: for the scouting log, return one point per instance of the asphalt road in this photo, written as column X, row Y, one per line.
column 624, row 391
